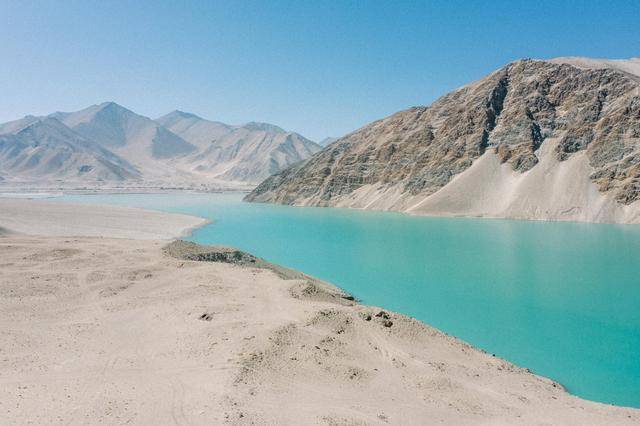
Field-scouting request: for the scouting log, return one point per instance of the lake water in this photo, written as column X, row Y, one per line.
column 562, row 299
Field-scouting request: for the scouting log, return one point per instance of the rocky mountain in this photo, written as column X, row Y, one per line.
column 44, row 148
column 245, row 153
column 108, row 142
column 535, row 139
column 327, row 141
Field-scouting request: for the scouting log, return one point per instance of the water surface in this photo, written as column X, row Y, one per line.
column 562, row 299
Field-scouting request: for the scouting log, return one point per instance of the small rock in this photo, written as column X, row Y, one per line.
column 205, row 317
column 382, row 314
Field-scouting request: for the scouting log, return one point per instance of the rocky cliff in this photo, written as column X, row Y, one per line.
column 575, row 123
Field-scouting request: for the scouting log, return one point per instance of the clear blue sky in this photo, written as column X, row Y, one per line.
column 317, row 67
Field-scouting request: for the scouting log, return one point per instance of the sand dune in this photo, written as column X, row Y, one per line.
column 554, row 191
column 115, row 331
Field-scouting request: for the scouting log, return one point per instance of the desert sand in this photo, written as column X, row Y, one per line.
column 97, row 329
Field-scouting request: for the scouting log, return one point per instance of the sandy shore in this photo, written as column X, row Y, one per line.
column 51, row 218
column 115, row 331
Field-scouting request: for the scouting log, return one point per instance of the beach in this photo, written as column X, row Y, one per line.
column 104, row 320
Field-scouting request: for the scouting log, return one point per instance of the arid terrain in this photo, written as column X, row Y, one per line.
column 98, row 329
column 107, row 145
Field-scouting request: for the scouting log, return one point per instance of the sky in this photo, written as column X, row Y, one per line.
column 321, row 68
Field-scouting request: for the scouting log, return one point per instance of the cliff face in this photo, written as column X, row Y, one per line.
column 400, row 161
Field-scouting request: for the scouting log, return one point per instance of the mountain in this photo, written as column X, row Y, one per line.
column 251, row 153
column 14, row 126
column 327, row 141
column 533, row 140
column 193, row 129
column 139, row 139
column 116, row 144
column 246, row 153
column 44, row 148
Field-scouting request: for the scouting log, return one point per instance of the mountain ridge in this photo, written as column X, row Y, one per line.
column 248, row 152
column 172, row 148
column 398, row 162
column 47, row 148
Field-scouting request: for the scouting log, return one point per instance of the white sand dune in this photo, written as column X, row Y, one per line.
column 116, row 331
column 552, row 190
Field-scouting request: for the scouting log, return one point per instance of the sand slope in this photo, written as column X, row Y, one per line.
column 552, row 190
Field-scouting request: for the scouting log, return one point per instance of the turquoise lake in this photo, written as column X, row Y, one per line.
column 562, row 299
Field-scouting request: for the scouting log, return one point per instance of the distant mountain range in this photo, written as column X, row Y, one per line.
column 108, row 142
column 246, row 153
column 537, row 139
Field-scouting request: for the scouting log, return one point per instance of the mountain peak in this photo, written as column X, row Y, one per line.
column 17, row 125
column 184, row 114
column 176, row 115
column 264, row 127
column 112, row 106
column 43, row 122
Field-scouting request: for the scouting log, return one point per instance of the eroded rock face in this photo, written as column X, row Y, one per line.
column 512, row 111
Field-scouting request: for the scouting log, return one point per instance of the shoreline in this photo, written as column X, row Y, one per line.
column 329, row 298
column 24, row 193
column 49, row 217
